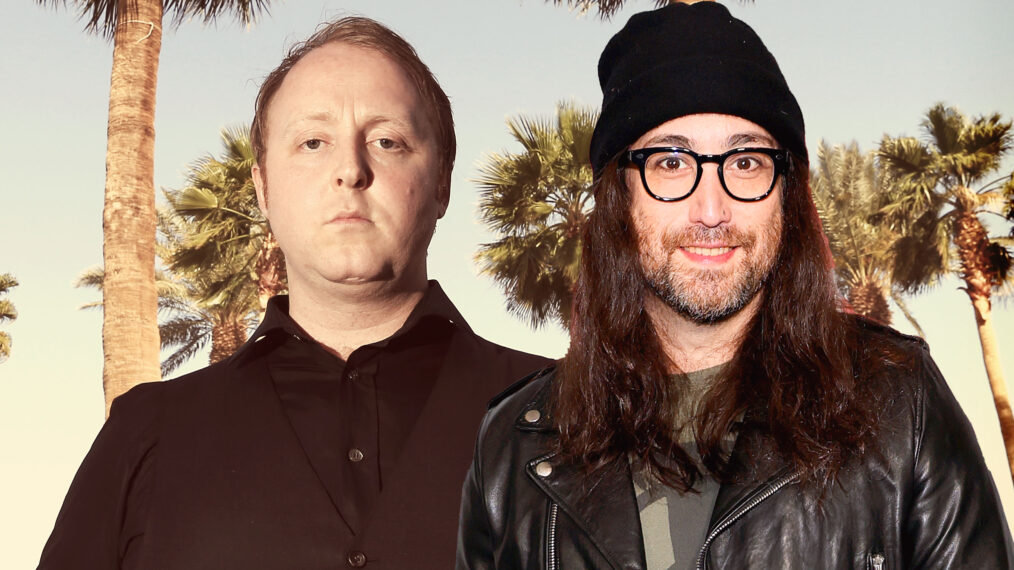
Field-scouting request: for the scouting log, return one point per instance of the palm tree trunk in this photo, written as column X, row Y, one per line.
column 270, row 267
column 868, row 299
column 972, row 242
column 991, row 358
column 130, row 340
column 227, row 335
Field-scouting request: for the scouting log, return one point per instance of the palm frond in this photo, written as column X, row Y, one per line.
column 188, row 335
column 102, row 16
column 536, row 201
column 5, row 346
column 7, row 282
column 942, row 127
column 7, row 311
column 903, row 307
column 605, row 9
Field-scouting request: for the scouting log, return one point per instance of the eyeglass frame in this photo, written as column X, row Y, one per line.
column 639, row 157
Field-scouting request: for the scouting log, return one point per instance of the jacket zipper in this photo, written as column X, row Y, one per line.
column 878, row 561
column 702, row 556
column 552, row 536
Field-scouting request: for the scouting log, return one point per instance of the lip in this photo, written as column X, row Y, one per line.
column 709, row 253
column 345, row 218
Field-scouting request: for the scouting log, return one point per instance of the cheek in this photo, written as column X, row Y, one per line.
column 412, row 193
column 654, row 219
column 770, row 235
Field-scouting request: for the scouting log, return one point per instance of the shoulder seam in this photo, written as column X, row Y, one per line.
column 516, row 386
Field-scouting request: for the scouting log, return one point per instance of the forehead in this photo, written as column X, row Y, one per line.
column 705, row 131
column 339, row 74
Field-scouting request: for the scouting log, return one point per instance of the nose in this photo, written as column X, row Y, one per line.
column 709, row 204
column 351, row 168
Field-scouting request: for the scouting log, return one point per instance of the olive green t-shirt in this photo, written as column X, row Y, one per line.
column 674, row 524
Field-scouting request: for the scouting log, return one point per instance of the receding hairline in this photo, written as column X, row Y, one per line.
column 430, row 113
column 430, row 123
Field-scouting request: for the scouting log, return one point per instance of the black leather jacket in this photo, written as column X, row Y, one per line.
column 925, row 501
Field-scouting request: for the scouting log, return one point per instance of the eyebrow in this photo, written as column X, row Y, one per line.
column 748, row 138
column 736, row 140
column 669, row 140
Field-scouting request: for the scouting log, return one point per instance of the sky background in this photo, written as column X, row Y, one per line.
column 859, row 69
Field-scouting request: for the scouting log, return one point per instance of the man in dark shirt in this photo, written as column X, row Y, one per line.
column 340, row 434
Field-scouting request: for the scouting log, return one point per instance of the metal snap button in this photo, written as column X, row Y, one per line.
column 543, row 469
column 532, row 416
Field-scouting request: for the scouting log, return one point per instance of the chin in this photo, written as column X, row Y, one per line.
column 355, row 270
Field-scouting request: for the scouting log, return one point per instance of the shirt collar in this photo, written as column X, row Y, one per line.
column 434, row 304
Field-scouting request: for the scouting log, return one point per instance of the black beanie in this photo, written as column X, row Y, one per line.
column 685, row 59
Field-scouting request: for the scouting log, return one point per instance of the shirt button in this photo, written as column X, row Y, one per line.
column 354, row 375
column 355, row 455
column 356, row 559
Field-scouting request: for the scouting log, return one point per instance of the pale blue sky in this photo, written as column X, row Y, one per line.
column 859, row 69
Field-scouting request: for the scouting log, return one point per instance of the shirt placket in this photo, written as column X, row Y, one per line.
column 360, row 428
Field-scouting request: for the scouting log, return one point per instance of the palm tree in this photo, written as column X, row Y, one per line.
column 608, row 8
column 226, row 227
column 7, row 313
column 537, row 201
column 191, row 316
column 129, row 332
column 848, row 189
column 222, row 261
column 944, row 194
column 199, row 308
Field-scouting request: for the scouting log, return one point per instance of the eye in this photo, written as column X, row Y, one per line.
column 749, row 165
column 388, row 144
column 744, row 163
column 672, row 162
column 312, row 144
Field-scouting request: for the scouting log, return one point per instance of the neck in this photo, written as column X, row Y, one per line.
column 346, row 316
column 693, row 346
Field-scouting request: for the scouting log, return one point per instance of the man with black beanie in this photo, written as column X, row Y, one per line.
column 718, row 407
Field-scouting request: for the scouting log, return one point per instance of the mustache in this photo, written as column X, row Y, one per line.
column 695, row 235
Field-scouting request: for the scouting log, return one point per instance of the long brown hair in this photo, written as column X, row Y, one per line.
column 792, row 380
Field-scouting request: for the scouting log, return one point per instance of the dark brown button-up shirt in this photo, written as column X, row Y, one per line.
column 362, row 410
column 284, row 456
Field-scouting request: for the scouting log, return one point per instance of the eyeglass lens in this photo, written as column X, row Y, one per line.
column 747, row 175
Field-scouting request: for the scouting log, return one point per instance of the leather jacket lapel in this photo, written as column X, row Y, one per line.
column 603, row 507
column 736, row 499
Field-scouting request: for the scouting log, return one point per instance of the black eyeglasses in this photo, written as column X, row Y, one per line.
column 671, row 174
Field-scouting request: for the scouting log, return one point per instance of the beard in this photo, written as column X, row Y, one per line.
column 702, row 295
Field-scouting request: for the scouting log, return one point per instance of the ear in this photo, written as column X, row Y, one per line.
column 261, row 187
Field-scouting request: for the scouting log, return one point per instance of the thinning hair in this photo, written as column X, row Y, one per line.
column 792, row 380
column 368, row 34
